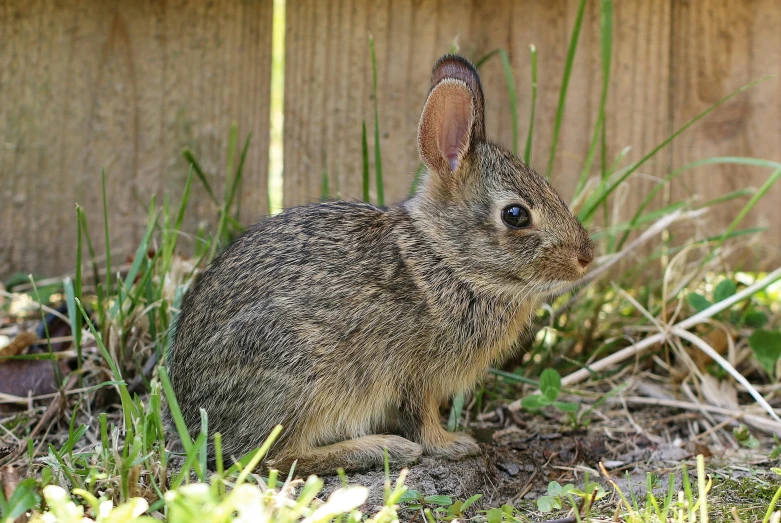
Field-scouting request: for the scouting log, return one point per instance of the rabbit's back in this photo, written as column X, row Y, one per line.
column 305, row 311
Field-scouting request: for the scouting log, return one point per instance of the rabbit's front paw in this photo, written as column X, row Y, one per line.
column 454, row 446
column 401, row 451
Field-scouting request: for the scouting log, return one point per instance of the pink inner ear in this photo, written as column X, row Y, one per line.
column 455, row 124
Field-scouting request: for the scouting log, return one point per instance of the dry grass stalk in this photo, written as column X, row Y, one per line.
column 661, row 337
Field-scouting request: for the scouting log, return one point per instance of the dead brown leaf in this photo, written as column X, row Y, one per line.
column 34, row 377
column 22, row 340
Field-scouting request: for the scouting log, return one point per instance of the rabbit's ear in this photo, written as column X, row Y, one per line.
column 452, row 118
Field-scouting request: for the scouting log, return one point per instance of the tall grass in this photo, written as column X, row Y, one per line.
column 377, row 156
column 573, row 46
column 527, row 152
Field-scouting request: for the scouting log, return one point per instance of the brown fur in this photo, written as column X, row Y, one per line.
column 346, row 323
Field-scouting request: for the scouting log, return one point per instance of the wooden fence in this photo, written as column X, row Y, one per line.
column 125, row 85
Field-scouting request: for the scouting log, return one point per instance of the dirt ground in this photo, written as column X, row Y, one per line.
column 522, row 453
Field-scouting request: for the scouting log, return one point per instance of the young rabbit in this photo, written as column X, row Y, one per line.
column 350, row 324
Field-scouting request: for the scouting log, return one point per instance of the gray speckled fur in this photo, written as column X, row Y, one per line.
column 345, row 322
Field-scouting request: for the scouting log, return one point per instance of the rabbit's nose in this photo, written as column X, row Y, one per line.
column 585, row 253
column 584, row 259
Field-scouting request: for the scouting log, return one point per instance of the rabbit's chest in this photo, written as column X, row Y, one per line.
column 489, row 340
column 508, row 329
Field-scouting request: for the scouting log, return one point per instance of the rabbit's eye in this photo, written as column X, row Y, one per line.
column 516, row 216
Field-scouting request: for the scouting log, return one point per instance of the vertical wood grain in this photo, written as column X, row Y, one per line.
column 717, row 48
column 328, row 85
column 123, row 86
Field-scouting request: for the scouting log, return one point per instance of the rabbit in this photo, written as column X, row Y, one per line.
column 350, row 324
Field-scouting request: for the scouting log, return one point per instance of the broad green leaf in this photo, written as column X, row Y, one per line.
column 550, row 383
column 544, row 504
column 554, row 489
column 535, row 402
column 566, row 406
column 724, row 290
column 23, row 499
column 698, row 301
column 548, row 503
column 410, row 495
column 767, row 348
column 755, row 319
column 494, row 515
column 469, row 502
column 744, row 437
column 438, row 500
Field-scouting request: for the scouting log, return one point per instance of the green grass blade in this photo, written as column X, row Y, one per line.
column 527, row 152
column 573, row 45
column 237, row 177
column 175, row 411
column 139, row 258
column 417, row 179
column 190, row 462
column 193, row 162
column 106, row 231
column 75, row 319
column 218, row 455
column 455, row 412
column 377, row 157
column 508, row 76
column 203, row 448
column 128, row 407
column 90, row 248
column 258, row 455
column 706, row 161
column 764, row 188
column 73, row 289
column 595, row 201
column 515, row 378
column 484, row 59
column 67, row 470
column 772, row 506
column 233, row 138
column 145, row 279
column 606, row 40
column 740, row 193
column 222, row 228
column 365, row 150
column 239, row 180
column 55, row 367
column 606, row 47
column 170, row 245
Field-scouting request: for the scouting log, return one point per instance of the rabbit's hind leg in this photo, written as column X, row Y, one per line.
column 352, row 455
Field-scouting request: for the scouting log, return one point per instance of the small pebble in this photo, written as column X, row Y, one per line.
column 439, row 472
column 511, row 468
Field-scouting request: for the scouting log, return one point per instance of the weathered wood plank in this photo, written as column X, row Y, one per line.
column 717, row 48
column 328, row 61
column 123, row 86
